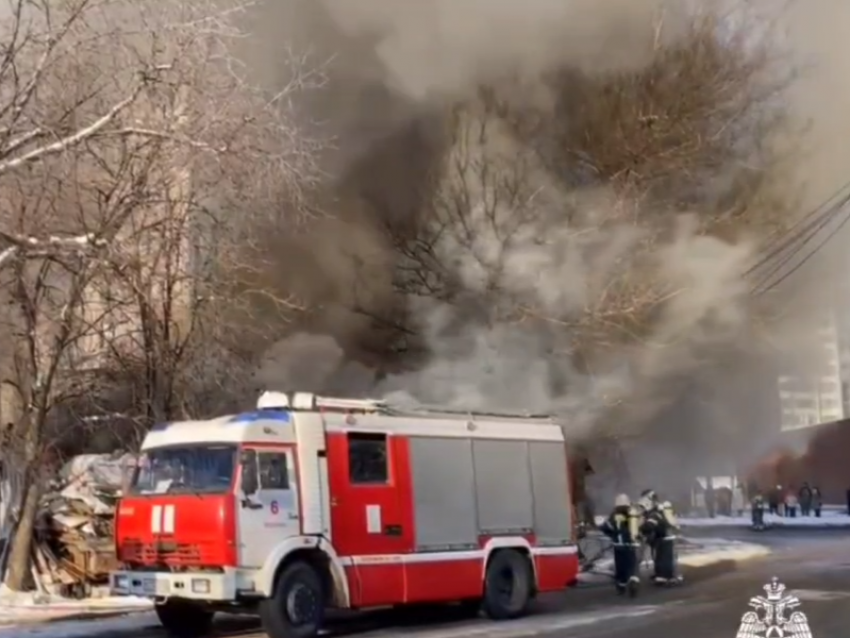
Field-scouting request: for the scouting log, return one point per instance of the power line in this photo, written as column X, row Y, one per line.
column 801, row 241
column 811, row 222
column 811, row 254
column 787, row 246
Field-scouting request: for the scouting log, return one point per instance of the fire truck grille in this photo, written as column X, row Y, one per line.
column 164, row 553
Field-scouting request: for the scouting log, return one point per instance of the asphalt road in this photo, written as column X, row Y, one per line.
column 818, row 574
column 815, row 565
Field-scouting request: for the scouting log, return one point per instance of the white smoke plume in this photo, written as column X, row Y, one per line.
column 439, row 49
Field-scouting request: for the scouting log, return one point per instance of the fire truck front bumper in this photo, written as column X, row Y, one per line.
column 193, row 585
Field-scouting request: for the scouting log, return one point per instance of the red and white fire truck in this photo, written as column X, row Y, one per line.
column 309, row 503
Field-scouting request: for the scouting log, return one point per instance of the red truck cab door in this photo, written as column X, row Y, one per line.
column 369, row 529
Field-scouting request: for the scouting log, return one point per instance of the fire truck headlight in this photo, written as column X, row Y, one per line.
column 121, row 581
column 200, row 586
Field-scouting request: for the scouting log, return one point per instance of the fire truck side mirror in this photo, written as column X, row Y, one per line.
column 250, row 478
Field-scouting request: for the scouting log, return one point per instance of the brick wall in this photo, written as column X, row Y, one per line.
column 819, row 455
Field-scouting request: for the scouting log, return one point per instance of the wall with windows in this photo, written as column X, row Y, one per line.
column 818, row 394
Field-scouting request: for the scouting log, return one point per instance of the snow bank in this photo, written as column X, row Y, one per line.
column 29, row 607
column 29, row 599
column 82, row 629
column 829, row 519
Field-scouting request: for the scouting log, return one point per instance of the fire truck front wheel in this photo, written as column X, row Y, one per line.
column 508, row 585
column 296, row 609
column 184, row 619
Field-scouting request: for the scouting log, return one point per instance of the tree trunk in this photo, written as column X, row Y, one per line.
column 18, row 576
column 18, row 567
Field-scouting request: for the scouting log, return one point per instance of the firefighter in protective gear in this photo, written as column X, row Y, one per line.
column 758, row 507
column 623, row 528
column 659, row 528
column 648, row 501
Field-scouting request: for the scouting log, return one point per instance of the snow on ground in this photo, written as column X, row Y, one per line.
column 832, row 517
column 28, row 607
column 717, row 550
column 829, row 519
column 80, row 628
column 704, row 552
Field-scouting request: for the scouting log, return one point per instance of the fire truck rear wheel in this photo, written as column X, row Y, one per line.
column 508, row 585
column 184, row 619
column 297, row 607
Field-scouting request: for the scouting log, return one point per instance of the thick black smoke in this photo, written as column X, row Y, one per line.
column 422, row 149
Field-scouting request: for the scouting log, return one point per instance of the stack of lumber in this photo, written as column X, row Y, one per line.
column 73, row 549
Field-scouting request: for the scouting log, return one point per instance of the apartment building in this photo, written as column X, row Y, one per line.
column 818, row 394
column 157, row 245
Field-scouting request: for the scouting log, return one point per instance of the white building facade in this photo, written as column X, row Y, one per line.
column 820, row 394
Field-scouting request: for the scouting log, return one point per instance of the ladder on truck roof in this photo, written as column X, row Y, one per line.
column 464, row 412
column 271, row 400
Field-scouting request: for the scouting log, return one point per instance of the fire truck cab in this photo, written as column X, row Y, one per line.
column 309, row 503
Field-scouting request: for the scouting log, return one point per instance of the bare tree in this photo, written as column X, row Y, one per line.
column 185, row 317
column 565, row 213
column 130, row 143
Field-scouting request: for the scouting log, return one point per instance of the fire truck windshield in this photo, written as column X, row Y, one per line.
column 194, row 469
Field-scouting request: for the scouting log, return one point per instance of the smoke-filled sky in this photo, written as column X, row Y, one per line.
column 816, row 36
column 394, row 68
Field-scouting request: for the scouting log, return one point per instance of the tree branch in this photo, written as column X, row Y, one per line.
column 70, row 141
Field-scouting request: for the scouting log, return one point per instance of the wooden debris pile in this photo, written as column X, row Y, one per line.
column 73, row 548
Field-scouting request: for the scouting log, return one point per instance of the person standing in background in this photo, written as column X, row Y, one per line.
column 817, row 501
column 757, row 506
column 791, row 502
column 805, row 496
column 711, row 499
column 773, row 500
